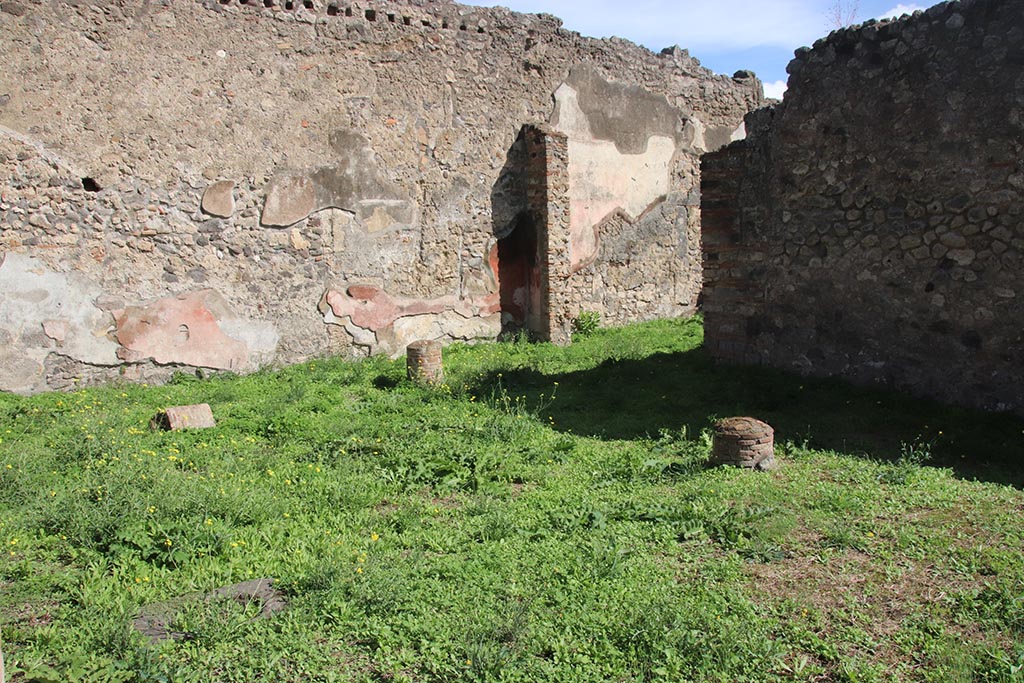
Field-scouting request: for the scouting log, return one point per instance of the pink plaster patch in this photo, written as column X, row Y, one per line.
column 493, row 260
column 57, row 330
column 364, row 292
column 585, row 215
column 180, row 329
column 380, row 310
column 375, row 310
column 490, row 304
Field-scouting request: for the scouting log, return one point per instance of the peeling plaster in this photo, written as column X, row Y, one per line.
column 602, row 179
column 42, row 311
column 388, row 324
column 701, row 139
column 193, row 329
column 353, row 184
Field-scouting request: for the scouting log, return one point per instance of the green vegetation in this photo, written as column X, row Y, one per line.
column 547, row 515
column 586, row 323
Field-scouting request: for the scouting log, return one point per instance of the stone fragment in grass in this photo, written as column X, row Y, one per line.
column 154, row 621
column 743, row 442
column 198, row 416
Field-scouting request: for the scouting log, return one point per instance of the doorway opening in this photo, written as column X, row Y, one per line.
column 520, row 283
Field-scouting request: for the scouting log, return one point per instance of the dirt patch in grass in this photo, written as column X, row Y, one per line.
column 154, row 621
column 386, row 507
column 32, row 615
column 858, row 603
column 446, row 502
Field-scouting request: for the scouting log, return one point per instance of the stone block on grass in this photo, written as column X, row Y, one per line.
column 197, row 416
column 423, row 362
column 743, row 442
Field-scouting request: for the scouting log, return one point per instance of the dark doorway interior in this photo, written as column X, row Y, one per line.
column 519, row 278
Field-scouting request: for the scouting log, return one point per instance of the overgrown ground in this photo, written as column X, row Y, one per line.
column 544, row 516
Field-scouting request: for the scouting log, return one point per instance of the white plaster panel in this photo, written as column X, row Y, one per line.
column 33, row 296
column 603, row 179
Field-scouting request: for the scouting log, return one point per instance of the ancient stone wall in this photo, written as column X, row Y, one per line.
column 871, row 226
column 227, row 184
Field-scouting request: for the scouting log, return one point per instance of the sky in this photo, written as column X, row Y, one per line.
column 725, row 35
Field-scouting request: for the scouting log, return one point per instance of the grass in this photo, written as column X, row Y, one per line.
column 546, row 515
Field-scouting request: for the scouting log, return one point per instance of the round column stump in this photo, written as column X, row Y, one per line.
column 423, row 362
column 743, row 442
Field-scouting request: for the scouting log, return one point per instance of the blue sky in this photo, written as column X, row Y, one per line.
column 725, row 35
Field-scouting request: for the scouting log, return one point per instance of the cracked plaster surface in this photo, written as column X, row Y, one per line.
column 384, row 323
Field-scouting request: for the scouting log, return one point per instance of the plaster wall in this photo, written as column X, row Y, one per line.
column 227, row 185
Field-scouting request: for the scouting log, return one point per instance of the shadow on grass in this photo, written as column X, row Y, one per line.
column 635, row 398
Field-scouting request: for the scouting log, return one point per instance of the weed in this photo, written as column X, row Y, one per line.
column 77, row 667
column 586, row 323
column 494, row 643
column 912, row 457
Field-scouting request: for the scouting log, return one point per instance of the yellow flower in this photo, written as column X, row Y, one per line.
column 374, row 537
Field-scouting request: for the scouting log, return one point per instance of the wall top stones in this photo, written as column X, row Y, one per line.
column 163, row 91
column 870, row 42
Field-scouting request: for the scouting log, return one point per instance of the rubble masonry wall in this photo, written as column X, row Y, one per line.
column 871, row 226
column 227, row 184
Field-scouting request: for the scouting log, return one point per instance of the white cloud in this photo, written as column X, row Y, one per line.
column 775, row 89
column 899, row 10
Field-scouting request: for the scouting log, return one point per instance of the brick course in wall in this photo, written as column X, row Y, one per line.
column 871, row 226
column 548, row 199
